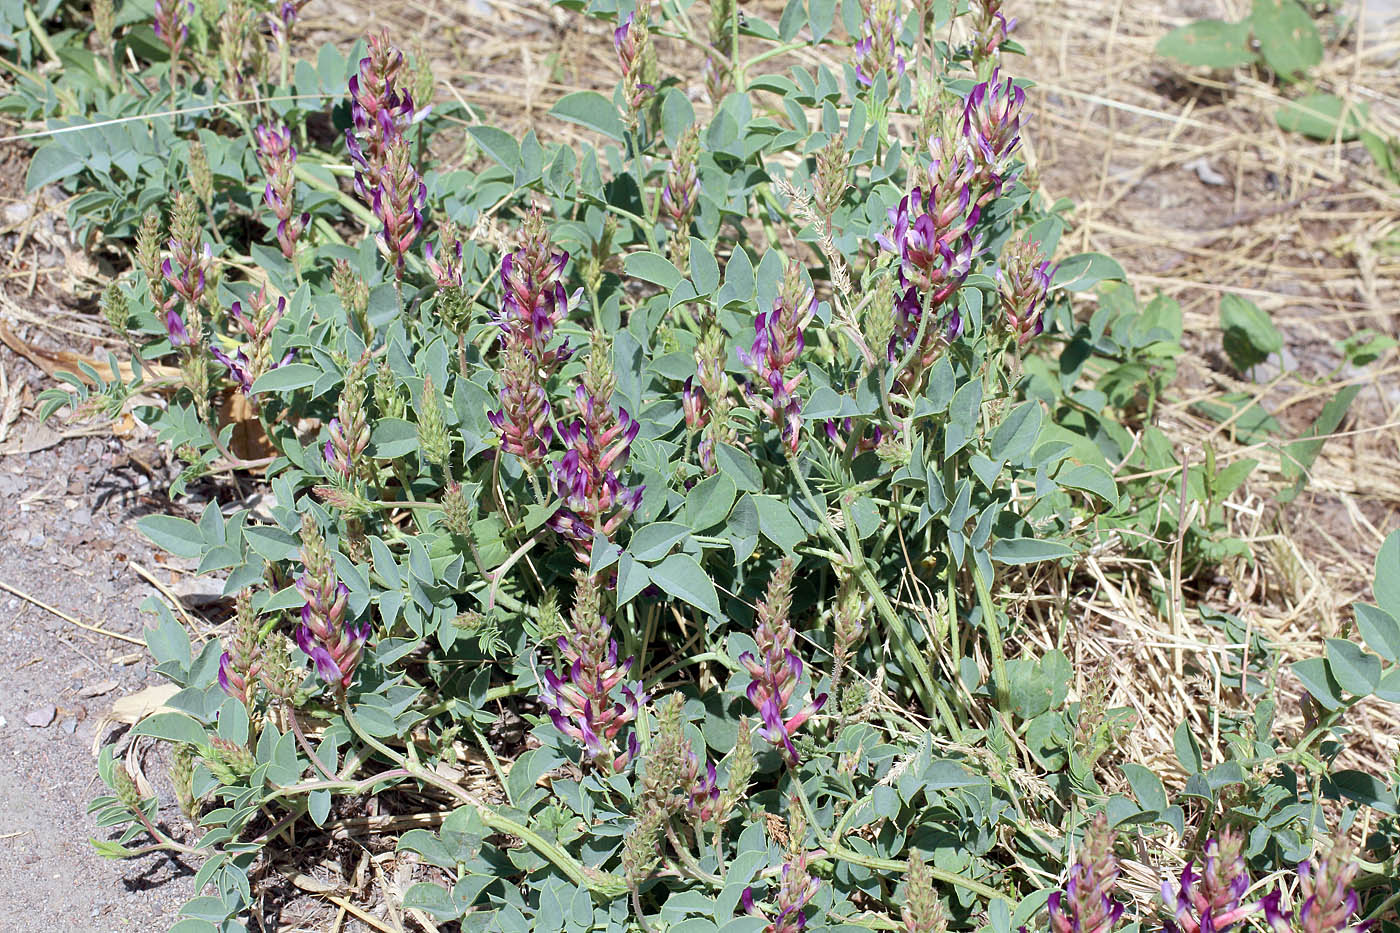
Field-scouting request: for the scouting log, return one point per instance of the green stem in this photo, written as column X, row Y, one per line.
column 1001, row 684
column 600, row 883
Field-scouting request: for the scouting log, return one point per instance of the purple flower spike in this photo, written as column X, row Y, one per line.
column 992, row 127
column 591, row 703
column 776, row 670
column 1212, row 900
column 1087, row 905
column 332, row 643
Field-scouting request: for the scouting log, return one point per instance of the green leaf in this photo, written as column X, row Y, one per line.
column 1082, row 272
column 1028, row 550
column 1363, row 788
column 498, row 144
column 287, row 378
column 1380, row 630
column 651, row 267
column 1354, row 670
column 179, row 536
column 709, row 502
column 590, row 109
column 51, row 162
column 653, row 542
column 432, row 899
column 392, row 438
column 1188, row 750
column 1318, row 680
column 1387, row 585
column 1298, row 457
column 173, row 727
column 1250, row 335
column 1323, row 116
column 1147, row 787
column 1210, row 42
column 1092, row 479
column 682, row 577
column 271, row 542
column 1287, row 37
column 1015, row 436
column 777, row 523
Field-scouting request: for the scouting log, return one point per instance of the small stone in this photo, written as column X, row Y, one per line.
column 69, row 725
column 17, row 212
column 96, row 690
column 36, row 539
column 41, row 717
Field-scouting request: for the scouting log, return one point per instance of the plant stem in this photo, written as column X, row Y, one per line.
column 989, row 622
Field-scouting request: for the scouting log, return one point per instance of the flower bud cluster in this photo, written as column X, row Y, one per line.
column 278, row 157
column 776, row 345
column 832, row 177
column 240, row 664
column 172, row 25
column 631, row 41
column 877, row 51
column 349, row 429
column 1087, row 905
column 332, row 643
column 678, row 197
column 776, row 669
column 434, row 441
column 353, row 293
column 1023, row 280
column 923, row 912
column 990, row 29
column 590, row 703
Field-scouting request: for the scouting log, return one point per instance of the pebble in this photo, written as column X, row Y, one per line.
column 41, row 717
column 18, row 212
column 36, row 540
column 69, row 725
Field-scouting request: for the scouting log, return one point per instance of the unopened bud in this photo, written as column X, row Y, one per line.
column 201, row 179
column 434, row 442
column 923, row 911
column 182, row 776
column 124, row 785
column 148, row 253
column 115, row 309
column 458, row 510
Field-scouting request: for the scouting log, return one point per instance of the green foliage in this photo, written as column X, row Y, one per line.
column 725, row 501
column 1249, row 334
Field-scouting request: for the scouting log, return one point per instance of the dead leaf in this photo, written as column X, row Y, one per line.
column 131, row 709
column 97, row 689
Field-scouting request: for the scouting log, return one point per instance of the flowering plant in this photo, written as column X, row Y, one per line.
column 784, row 405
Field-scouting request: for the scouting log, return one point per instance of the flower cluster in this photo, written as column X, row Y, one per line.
column 385, row 175
column 446, row 263
column 1328, row 899
column 776, row 669
column 278, row 157
column 185, row 271
column 705, row 397
column 349, row 429
column 240, row 664
column 992, row 127
column 1212, row 900
column 533, row 306
column 172, row 24
column 581, row 704
column 254, row 357
column 776, row 345
column 586, row 477
column 923, row 912
column 796, row 886
column 332, row 643
column 674, row 779
column 1023, row 280
column 990, row 29
column 876, row 49
column 1087, row 905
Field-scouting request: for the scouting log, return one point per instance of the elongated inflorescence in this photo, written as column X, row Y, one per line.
column 586, row 477
column 252, row 358
column 776, row 345
column 278, row 157
column 386, row 176
column 333, row 644
column 1023, row 281
column 1087, row 904
column 591, row 703
column 240, row 664
column 776, row 669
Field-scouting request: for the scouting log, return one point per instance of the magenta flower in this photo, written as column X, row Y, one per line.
column 776, row 345
column 992, row 127
column 172, row 18
column 1087, row 905
column 1212, row 901
column 253, row 358
column 776, row 670
column 278, row 157
column 334, row 645
column 1329, row 900
column 591, row 703
column 586, row 478
column 1023, row 281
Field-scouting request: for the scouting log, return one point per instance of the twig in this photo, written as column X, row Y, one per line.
column 67, row 618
